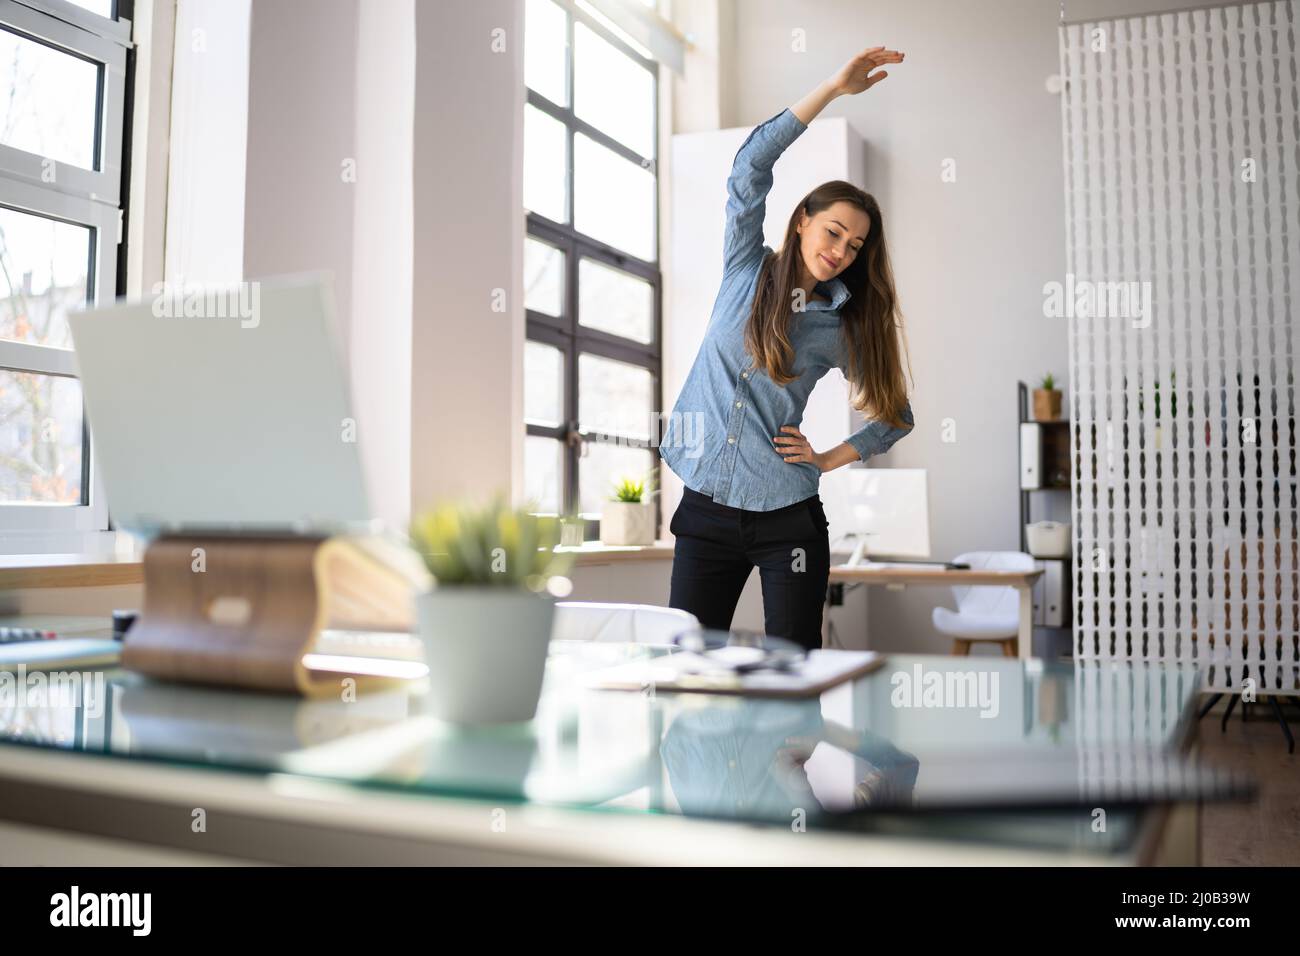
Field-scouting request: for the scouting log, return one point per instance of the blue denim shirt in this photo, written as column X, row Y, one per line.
column 718, row 439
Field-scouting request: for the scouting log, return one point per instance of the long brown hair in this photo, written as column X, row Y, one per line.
column 870, row 321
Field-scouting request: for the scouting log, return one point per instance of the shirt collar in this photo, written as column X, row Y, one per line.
column 836, row 289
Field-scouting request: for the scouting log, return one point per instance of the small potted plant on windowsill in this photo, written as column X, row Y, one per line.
column 628, row 517
column 486, row 622
column 1047, row 400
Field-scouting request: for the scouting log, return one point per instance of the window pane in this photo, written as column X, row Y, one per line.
column 612, row 93
column 602, row 466
column 614, row 199
column 103, row 7
column 43, row 266
column 47, row 101
column 614, row 398
column 543, row 384
column 543, row 466
column 544, row 50
column 544, row 164
column 543, row 277
column 615, row 301
column 40, row 439
column 613, row 28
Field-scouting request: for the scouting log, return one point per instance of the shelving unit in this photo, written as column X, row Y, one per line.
column 1045, row 468
column 1050, row 468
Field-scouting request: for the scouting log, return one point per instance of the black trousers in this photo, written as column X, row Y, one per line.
column 717, row 547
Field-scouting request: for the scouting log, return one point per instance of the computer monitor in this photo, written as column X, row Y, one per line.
column 885, row 509
column 223, row 422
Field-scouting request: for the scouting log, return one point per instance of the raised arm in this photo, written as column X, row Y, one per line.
column 751, row 171
column 748, row 186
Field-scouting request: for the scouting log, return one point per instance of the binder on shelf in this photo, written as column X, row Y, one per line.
column 1054, row 594
column 1031, row 456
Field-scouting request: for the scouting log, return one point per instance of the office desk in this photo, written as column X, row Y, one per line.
column 604, row 777
column 1022, row 581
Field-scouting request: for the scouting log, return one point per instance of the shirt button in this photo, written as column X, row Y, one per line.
column 740, row 404
column 731, row 441
column 744, row 375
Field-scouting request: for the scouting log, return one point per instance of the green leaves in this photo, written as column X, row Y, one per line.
column 631, row 490
column 490, row 545
column 1049, row 382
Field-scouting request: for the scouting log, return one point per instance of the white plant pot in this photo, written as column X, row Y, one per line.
column 486, row 650
column 623, row 522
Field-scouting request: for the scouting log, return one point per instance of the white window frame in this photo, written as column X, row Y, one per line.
column 90, row 198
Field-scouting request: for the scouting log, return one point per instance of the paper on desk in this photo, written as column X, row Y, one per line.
column 687, row 672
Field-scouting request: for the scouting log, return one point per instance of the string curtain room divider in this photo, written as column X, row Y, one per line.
column 1182, row 170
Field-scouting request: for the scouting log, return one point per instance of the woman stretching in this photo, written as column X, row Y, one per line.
column 780, row 322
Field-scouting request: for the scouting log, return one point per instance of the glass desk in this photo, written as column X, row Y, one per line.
column 1025, row 757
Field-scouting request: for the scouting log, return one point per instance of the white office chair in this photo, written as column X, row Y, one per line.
column 985, row 612
column 624, row 623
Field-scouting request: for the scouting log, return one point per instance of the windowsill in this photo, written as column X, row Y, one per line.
column 593, row 552
column 19, row 571
column 68, row 570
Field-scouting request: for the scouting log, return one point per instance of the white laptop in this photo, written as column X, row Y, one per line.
column 237, row 421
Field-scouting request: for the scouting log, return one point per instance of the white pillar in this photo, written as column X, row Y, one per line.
column 467, row 432
column 298, row 195
column 381, row 355
column 704, row 98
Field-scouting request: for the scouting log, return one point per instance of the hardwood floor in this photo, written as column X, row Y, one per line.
column 1266, row 832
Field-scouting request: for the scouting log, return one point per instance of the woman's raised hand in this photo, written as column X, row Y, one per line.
column 853, row 77
column 857, row 75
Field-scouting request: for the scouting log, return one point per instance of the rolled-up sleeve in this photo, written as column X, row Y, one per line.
column 749, row 183
column 877, row 437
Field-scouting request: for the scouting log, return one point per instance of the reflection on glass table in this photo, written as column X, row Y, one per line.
column 872, row 755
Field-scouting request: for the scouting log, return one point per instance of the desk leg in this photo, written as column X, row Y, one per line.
column 1026, row 637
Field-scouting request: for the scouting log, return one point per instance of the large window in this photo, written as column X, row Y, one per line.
column 62, row 107
column 592, row 364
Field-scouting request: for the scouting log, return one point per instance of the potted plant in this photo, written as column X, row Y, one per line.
column 628, row 517
column 486, row 622
column 1047, row 400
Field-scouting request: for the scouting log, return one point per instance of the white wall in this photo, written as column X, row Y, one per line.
column 209, row 126
column 970, row 257
column 1080, row 10
column 298, row 207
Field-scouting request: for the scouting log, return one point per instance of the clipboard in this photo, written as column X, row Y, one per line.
column 674, row 674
